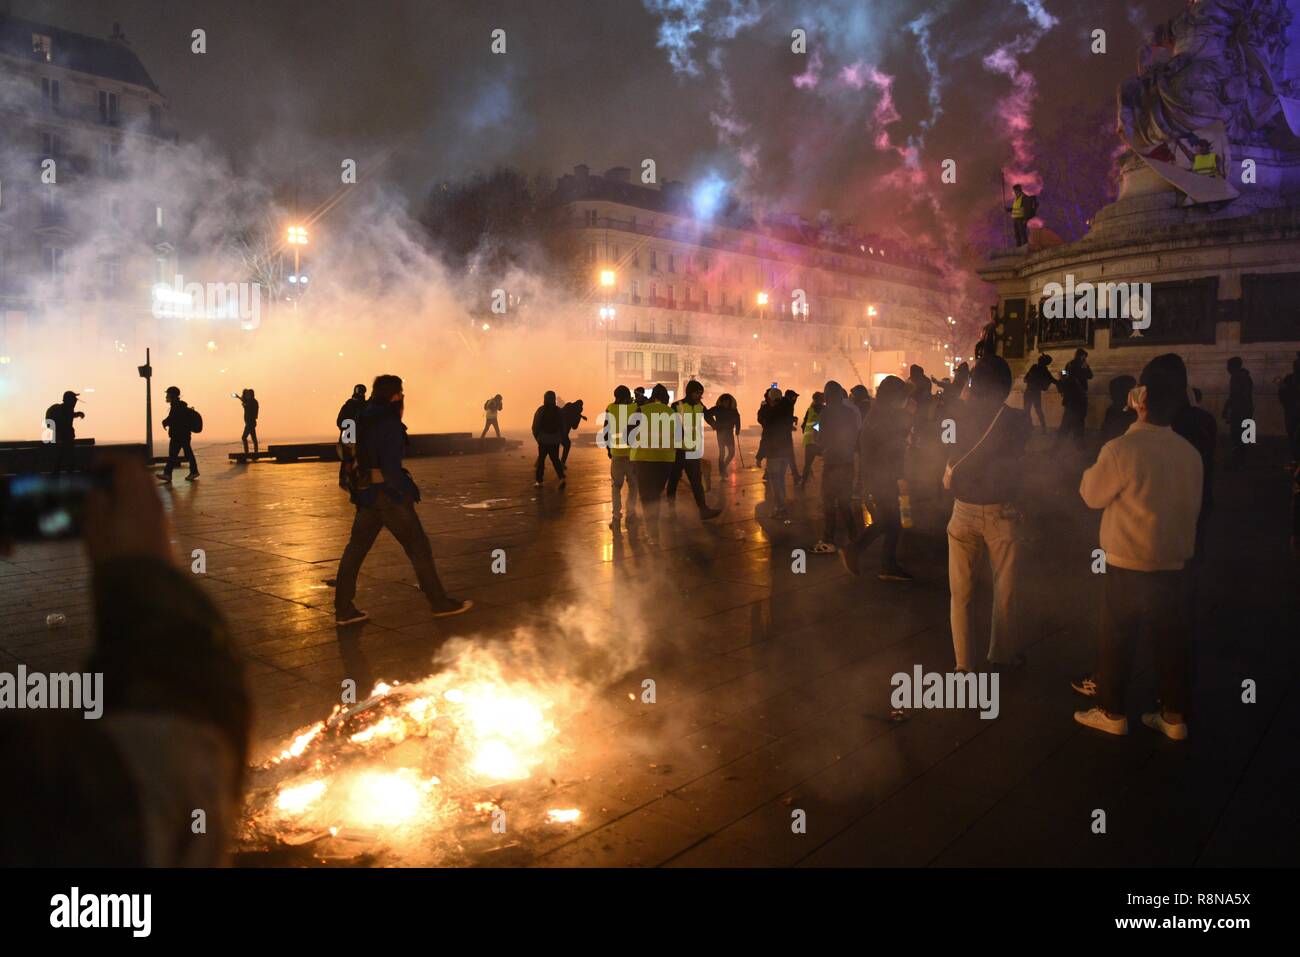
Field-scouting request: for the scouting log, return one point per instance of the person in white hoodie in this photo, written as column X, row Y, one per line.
column 1148, row 483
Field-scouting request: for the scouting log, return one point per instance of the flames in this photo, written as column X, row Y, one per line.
column 410, row 765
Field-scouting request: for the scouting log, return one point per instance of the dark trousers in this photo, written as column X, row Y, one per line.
column 65, row 456
column 566, row 444
column 810, row 454
column 250, row 432
column 1237, row 455
column 1133, row 602
column 1022, row 231
column 549, row 450
column 651, row 477
column 1034, row 403
column 693, row 475
column 400, row 519
column 1072, row 423
column 837, row 499
column 177, row 447
column 726, row 452
column 886, row 522
column 490, row 424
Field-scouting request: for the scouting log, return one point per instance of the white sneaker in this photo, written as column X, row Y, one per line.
column 1098, row 719
column 1172, row 731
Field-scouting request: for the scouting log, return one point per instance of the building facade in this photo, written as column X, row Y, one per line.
column 80, row 114
column 672, row 295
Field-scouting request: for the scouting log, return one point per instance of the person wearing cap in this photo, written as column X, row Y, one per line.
column 688, row 443
column 179, row 425
column 60, row 418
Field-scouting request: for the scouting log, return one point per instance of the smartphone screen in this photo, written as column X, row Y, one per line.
column 43, row 508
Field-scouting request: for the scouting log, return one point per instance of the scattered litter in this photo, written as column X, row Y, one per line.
column 54, row 619
column 488, row 503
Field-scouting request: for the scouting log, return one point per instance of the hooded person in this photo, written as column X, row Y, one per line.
column 1118, row 415
column 179, row 424
column 550, row 433
column 347, row 421
column 491, row 409
column 839, row 427
column 251, row 410
column 62, row 418
column 573, row 419
column 776, row 416
column 882, row 447
column 385, row 497
column 724, row 417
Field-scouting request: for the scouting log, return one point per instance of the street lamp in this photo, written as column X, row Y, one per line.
column 607, row 280
column 297, row 238
column 762, row 299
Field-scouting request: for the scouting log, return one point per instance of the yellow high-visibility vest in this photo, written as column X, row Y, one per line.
column 692, row 434
column 809, row 435
column 1206, row 164
column 1018, row 207
column 651, row 436
column 616, row 419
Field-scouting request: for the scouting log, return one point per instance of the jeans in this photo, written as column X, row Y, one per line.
column 692, row 469
column 400, row 519
column 837, row 495
column 620, row 471
column 175, row 449
column 972, row 530
column 490, row 424
column 250, row 432
column 651, row 477
column 565, row 443
column 726, row 452
column 776, row 469
column 549, row 450
column 1133, row 601
column 885, row 521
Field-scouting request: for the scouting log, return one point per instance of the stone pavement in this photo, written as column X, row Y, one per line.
column 772, row 686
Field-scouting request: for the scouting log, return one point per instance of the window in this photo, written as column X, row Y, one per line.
column 672, row 293
column 636, row 259
column 42, row 47
column 108, row 156
column 590, row 253
column 672, row 263
column 629, row 362
column 107, row 108
column 158, row 216
column 654, row 260
column 615, row 253
column 635, row 291
column 664, row 362
column 50, row 91
column 50, row 145
column 591, row 217
column 704, row 296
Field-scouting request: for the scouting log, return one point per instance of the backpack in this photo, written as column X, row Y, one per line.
column 196, row 421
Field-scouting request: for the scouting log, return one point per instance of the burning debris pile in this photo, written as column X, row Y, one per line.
column 415, row 774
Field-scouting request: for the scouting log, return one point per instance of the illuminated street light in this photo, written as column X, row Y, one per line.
column 297, row 235
column 871, row 310
column 607, row 278
column 486, row 327
column 762, row 299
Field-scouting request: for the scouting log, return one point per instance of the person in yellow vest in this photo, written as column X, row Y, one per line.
column 613, row 435
column 811, row 448
column 1022, row 209
column 651, row 450
column 689, row 447
column 1205, row 162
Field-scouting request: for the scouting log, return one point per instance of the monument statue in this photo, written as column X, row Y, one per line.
column 1214, row 77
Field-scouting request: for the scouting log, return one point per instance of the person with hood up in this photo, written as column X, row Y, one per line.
column 549, row 433
column 179, row 424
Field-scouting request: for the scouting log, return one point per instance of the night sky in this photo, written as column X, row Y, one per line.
column 292, row 87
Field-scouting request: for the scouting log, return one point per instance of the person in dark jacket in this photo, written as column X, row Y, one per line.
column 347, row 421
column 883, row 448
column 838, row 429
column 62, row 418
column 776, row 416
column 1038, row 380
column 1199, row 428
column 983, row 474
column 572, row 418
column 251, row 408
column 1073, row 386
column 179, row 425
column 491, row 411
column 172, row 730
column 860, row 396
column 385, row 497
column 1239, row 407
column 550, row 433
column 1288, row 396
column 724, row 417
column 1118, row 414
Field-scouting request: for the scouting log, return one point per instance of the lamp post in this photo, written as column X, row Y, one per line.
column 297, row 238
column 608, row 279
column 146, row 373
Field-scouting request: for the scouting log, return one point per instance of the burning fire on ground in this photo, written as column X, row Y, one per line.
column 415, row 773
